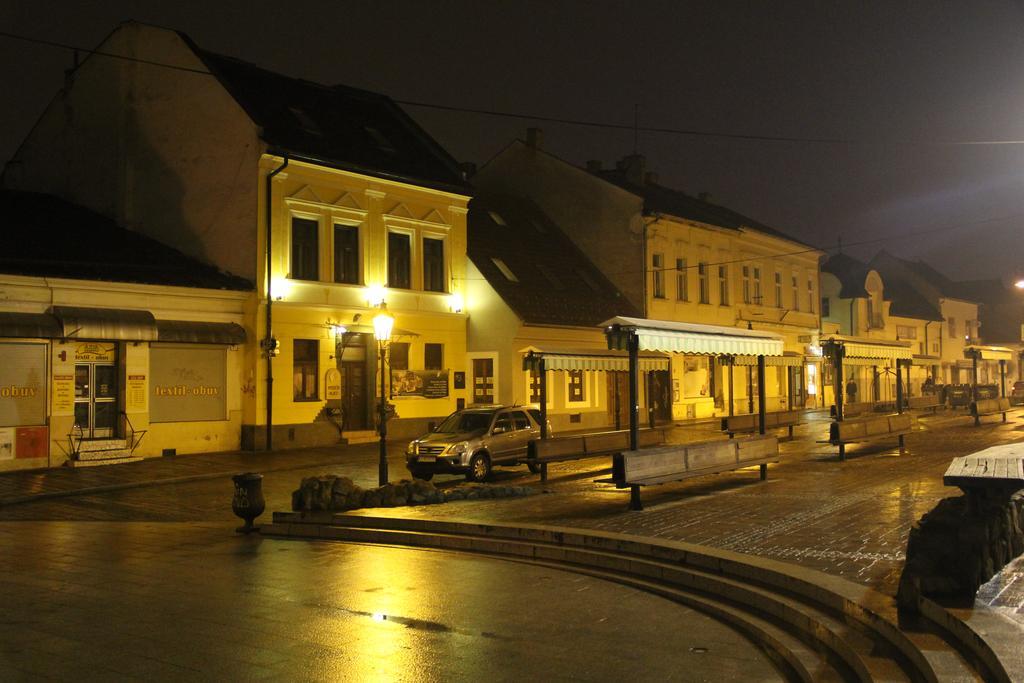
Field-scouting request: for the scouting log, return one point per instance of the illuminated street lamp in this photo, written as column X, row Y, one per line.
column 1019, row 284
column 382, row 326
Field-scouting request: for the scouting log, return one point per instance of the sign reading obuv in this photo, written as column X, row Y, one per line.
column 22, row 385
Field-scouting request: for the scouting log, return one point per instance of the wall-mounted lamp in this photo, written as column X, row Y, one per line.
column 456, row 303
column 1019, row 284
column 374, row 295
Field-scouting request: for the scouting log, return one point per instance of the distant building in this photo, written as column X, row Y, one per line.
column 680, row 258
column 531, row 290
column 112, row 345
column 362, row 207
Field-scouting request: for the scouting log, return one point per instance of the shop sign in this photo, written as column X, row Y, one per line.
column 135, row 393
column 95, row 352
column 187, row 384
column 423, row 383
column 63, row 394
column 22, row 384
column 332, row 384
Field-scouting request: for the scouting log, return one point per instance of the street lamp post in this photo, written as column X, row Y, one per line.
column 382, row 326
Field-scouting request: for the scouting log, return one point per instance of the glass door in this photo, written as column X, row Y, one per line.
column 96, row 399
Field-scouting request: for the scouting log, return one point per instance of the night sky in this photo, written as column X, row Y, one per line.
column 892, row 79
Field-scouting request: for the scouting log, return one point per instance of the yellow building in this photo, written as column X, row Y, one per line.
column 675, row 257
column 329, row 199
column 113, row 347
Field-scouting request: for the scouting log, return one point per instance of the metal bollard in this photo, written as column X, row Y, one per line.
column 248, row 502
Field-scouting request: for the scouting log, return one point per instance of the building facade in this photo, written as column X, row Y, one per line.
column 680, row 258
column 329, row 199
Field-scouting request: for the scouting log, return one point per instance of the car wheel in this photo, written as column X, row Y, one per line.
column 535, row 467
column 479, row 467
column 425, row 475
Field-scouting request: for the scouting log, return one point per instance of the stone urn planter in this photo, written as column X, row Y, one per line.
column 248, row 502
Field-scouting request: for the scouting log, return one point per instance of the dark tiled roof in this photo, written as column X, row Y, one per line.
column 47, row 236
column 907, row 302
column 660, row 199
column 336, row 125
column 557, row 284
column 850, row 272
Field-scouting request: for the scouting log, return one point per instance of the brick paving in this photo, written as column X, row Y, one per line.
column 846, row 518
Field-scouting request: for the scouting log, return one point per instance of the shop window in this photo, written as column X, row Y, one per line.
column 723, row 285
column 433, row 265
column 305, row 368
column 399, row 260
column 682, row 286
column 576, row 387
column 305, row 251
column 346, row 254
column 658, row 275
column 702, row 283
column 433, row 356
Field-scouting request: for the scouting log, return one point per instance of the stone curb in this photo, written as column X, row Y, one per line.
column 106, row 488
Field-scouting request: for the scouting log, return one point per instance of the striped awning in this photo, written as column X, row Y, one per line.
column 872, row 349
column 989, row 352
column 589, row 359
column 789, row 360
column 692, row 338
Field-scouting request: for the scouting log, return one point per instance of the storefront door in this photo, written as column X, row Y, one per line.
column 353, row 395
column 96, row 394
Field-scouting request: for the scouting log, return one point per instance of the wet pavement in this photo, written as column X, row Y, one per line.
column 128, row 601
column 845, row 518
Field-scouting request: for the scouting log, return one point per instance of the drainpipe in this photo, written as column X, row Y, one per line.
column 270, row 301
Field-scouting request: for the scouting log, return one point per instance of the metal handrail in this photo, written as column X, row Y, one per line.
column 131, row 439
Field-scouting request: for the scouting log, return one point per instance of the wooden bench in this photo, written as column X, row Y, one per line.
column 989, row 406
column 854, row 409
column 927, row 402
column 868, row 429
column 633, row 469
column 540, row 452
column 740, row 424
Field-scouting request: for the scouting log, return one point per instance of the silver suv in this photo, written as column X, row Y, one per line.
column 473, row 440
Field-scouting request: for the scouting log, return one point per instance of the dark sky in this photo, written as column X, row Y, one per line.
column 894, row 76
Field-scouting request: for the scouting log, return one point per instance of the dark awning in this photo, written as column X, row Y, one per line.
column 186, row 331
column 79, row 322
column 29, row 325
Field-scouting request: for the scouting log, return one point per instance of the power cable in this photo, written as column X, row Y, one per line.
column 688, row 132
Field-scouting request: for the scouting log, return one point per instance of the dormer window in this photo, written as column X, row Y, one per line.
column 505, row 270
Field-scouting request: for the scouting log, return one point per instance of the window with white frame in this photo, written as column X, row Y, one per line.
column 346, row 254
column 811, row 297
column 796, row 292
column 702, row 283
column 778, row 289
column 399, row 260
column 756, row 277
column 433, row 264
column 305, row 249
column 746, row 284
column 576, row 389
column 658, row 275
column 723, row 285
column 682, row 286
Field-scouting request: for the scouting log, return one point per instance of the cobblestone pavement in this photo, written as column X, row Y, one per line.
column 846, row 518
column 171, row 601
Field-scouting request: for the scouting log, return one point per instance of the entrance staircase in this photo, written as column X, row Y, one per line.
column 90, row 452
column 361, row 436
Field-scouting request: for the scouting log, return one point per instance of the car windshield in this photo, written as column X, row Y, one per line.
column 459, row 423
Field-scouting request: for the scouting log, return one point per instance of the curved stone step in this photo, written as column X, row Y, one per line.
column 850, row 647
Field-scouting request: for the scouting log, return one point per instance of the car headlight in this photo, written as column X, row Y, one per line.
column 457, row 449
column 411, row 448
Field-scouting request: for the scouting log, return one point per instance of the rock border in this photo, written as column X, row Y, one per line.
column 338, row 493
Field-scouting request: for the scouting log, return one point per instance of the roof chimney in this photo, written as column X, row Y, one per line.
column 633, row 165
column 594, row 165
column 535, row 138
